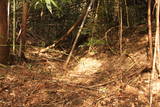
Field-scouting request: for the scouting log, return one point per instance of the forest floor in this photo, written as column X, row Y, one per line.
column 93, row 79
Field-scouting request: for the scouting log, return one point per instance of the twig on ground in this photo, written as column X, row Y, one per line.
column 47, row 48
column 102, row 84
column 72, row 84
column 3, row 66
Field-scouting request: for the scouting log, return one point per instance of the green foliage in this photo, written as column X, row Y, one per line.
column 48, row 3
column 86, row 31
column 94, row 41
column 42, row 44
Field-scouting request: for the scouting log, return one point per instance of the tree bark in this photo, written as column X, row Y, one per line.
column 24, row 29
column 4, row 49
column 150, row 32
column 155, row 74
column 120, row 28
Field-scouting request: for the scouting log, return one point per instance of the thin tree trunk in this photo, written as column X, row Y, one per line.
column 8, row 17
column 95, row 22
column 121, row 29
column 24, row 28
column 156, row 66
column 116, row 11
column 14, row 26
column 79, row 20
column 128, row 25
column 4, row 49
column 156, row 58
column 78, row 34
column 150, row 32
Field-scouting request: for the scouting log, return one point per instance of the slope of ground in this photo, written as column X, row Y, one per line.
column 99, row 80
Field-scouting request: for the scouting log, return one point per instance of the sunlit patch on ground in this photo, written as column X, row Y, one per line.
column 87, row 66
column 83, row 72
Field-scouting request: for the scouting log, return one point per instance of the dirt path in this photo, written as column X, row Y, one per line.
column 99, row 80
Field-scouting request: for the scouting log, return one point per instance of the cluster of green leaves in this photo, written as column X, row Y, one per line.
column 94, row 41
column 49, row 4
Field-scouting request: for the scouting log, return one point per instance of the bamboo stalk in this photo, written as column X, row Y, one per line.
column 121, row 30
column 14, row 25
column 155, row 66
column 78, row 34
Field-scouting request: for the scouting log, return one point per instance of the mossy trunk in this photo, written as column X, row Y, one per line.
column 4, row 49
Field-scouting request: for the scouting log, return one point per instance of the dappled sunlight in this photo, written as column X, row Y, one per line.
column 85, row 69
column 78, row 54
column 87, row 66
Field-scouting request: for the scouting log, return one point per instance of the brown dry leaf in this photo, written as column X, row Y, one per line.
column 142, row 98
column 10, row 77
column 131, row 90
column 155, row 87
column 133, row 105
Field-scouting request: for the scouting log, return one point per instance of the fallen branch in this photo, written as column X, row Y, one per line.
column 3, row 66
column 79, row 20
column 47, row 48
column 78, row 34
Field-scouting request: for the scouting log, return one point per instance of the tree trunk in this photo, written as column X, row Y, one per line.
column 150, row 32
column 120, row 27
column 79, row 32
column 4, row 49
column 156, row 57
column 24, row 29
column 79, row 20
column 116, row 11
